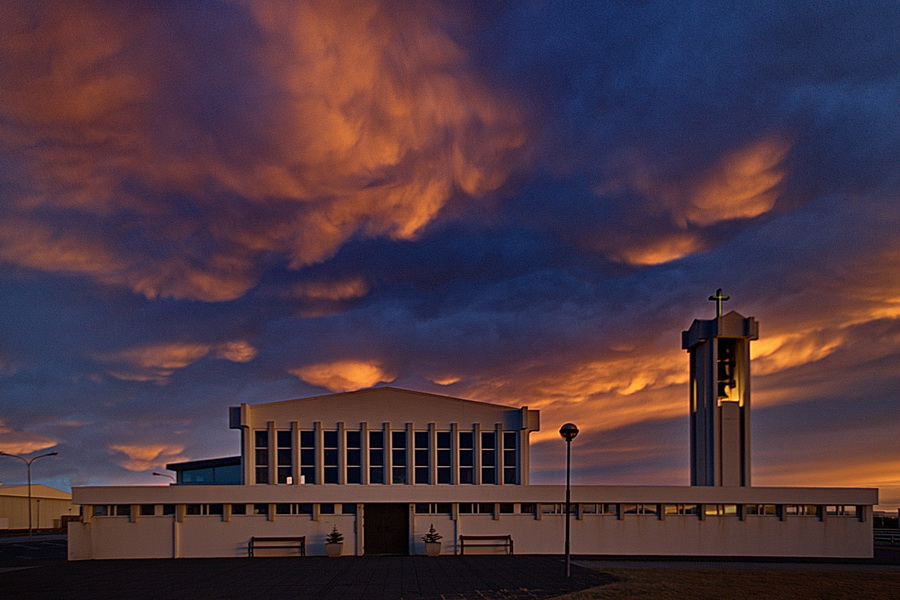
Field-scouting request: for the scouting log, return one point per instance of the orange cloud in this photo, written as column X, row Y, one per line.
column 741, row 185
column 659, row 250
column 344, row 289
column 780, row 352
column 840, row 470
column 343, row 375
column 370, row 126
column 611, row 393
column 145, row 457
column 744, row 185
column 158, row 362
column 22, row 442
column 446, row 380
column 38, row 246
column 236, row 351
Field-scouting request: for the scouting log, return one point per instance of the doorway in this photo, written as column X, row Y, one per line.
column 386, row 529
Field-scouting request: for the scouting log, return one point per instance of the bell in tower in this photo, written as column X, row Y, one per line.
column 726, row 364
column 719, row 351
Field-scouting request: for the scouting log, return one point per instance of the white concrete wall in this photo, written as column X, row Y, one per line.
column 198, row 536
column 676, row 535
column 201, row 536
column 443, row 524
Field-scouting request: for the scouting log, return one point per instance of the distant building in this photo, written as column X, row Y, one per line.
column 384, row 464
column 213, row 471
column 49, row 506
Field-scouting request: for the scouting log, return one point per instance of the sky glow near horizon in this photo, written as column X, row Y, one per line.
column 213, row 203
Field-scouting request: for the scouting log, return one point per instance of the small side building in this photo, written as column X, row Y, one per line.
column 49, row 507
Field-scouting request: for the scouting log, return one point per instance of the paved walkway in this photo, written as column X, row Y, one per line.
column 885, row 560
column 346, row 578
column 35, row 568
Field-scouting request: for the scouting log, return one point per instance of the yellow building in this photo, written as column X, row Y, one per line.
column 48, row 507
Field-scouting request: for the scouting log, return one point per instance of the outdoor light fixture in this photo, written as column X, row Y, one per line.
column 568, row 433
column 28, row 462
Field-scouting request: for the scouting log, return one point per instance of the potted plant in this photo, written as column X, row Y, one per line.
column 432, row 541
column 334, row 542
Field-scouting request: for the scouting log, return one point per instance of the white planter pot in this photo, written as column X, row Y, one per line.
column 334, row 550
column 432, row 548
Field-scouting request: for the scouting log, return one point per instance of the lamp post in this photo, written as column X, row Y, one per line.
column 568, row 433
column 28, row 462
column 164, row 475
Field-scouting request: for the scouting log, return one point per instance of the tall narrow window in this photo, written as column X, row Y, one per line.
column 466, row 457
column 488, row 457
column 376, row 457
column 308, row 456
column 261, row 447
column 421, row 456
column 510, row 457
column 330, row 448
column 726, row 367
column 398, row 456
column 443, row 457
column 354, row 457
column 283, row 455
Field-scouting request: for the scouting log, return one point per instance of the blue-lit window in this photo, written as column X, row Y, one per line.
column 200, row 476
column 444, row 454
column 376, row 457
column 510, row 457
column 283, row 454
column 261, row 446
column 354, row 457
column 398, row 456
column 421, row 456
column 488, row 457
column 466, row 457
column 330, row 447
column 308, row 456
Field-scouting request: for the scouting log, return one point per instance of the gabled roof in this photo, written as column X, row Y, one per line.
column 375, row 391
column 37, row 491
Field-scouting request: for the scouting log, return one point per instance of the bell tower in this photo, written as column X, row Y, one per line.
column 719, row 351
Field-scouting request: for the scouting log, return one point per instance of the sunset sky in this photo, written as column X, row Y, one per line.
column 210, row 203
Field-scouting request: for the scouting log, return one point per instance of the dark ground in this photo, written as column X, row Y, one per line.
column 37, row 569
column 345, row 578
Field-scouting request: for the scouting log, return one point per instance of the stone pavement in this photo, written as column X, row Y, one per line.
column 885, row 560
column 24, row 551
column 345, row 578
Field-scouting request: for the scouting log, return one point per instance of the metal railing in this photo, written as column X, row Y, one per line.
column 887, row 537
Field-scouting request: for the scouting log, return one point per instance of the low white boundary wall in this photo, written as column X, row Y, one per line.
column 477, row 511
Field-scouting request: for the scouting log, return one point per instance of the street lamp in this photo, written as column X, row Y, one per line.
column 568, row 433
column 28, row 462
column 164, row 475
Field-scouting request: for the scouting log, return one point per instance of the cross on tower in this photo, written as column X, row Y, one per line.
column 719, row 299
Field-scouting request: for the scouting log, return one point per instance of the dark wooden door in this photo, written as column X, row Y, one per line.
column 386, row 528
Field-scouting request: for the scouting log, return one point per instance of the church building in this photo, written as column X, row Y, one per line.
column 384, row 465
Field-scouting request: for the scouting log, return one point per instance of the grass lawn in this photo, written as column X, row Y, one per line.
column 696, row 584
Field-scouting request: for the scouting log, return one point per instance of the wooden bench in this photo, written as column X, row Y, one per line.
column 485, row 541
column 296, row 542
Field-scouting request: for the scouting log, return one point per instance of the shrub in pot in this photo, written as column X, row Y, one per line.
column 432, row 541
column 334, row 542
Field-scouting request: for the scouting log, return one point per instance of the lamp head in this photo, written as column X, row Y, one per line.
column 568, row 431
